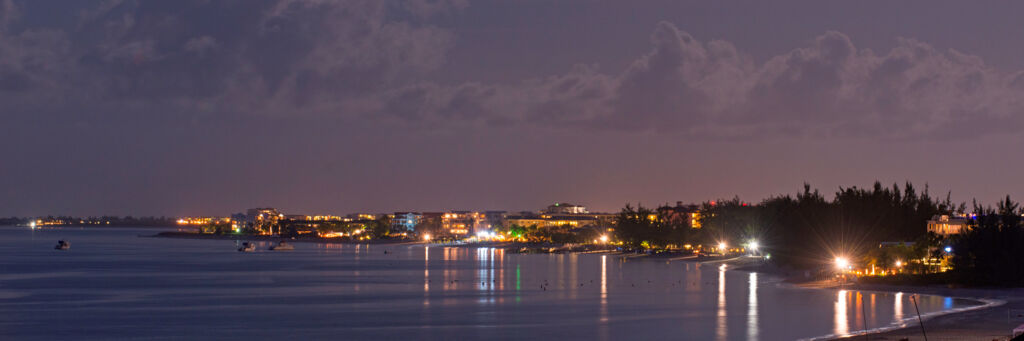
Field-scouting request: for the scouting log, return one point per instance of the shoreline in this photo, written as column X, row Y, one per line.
column 998, row 312
column 985, row 321
column 990, row 320
column 252, row 237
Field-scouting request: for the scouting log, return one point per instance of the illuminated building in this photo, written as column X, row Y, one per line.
column 363, row 216
column 405, row 221
column 490, row 220
column 263, row 219
column 196, row 221
column 459, row 223
column 944, row 225
column 565, row 208
column 302, row 217
column 567, row 221
column 686, row 215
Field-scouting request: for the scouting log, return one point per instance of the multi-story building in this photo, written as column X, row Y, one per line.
column 363, row 216
column 565, row 208
column 490, row 220
column 459, row 223
column 263, row 220
column 196, row 221
column 945, row 225
column 405, row 221
column 430, row 223
column 685, row 215
column 562, row 215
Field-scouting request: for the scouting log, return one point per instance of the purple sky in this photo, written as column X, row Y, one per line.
column 312, row 106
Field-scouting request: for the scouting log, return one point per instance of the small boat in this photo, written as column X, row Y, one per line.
column 62, row 245
column 247, row 247
column 282, row 246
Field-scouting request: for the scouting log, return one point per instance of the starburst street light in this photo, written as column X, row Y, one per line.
column 752, row 245
column 721, row 246
column 426, row 237
column 842, row 263
column 604, row 238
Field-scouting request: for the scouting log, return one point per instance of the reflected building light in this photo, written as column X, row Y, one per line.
column 752, row 318
column 426, row 275
column 842, row 323
column 518, row 280
column 872, row 309
column 721, row 328
column 897, row 308
column 604, row 288
column 485, row 275
column 573, row 274
column 858, row 310
column 501, row 271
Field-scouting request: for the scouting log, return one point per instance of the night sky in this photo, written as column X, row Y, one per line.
column 312, row 106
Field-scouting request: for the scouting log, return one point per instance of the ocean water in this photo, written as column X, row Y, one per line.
column 113, row 284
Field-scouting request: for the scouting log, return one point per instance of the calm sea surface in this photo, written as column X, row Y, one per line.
column 114, row 285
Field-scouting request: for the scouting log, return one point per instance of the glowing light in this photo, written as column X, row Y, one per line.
column 426, row 237
column 899, row 264
column 842, row 263
column 721, row 246
column 753, row 245
column 604, row 238
column 32, row 224
column 949, row 249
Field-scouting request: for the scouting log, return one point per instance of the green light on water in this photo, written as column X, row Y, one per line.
column 517, row 277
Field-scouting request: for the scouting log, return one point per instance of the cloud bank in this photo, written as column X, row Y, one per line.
column 375, row 61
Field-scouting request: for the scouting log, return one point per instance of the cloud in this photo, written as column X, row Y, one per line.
column 827, row 88
column 376, row 61
column 259, row 57
column 200, row 45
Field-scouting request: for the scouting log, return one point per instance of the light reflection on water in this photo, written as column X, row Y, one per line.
column 841, row 321
column 722, row 327
column 114, row 285
column 752, row 308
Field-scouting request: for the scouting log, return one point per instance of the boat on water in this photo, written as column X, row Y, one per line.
column 62, row 245
column 282, row 246
column 247, row 247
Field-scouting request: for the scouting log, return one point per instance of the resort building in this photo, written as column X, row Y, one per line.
column 686, row 215
column 945, row 225
column 566, row 221
column 263, row 219
column 405, row 221
column 565, row 208
column 490, row 220
column 459, row 223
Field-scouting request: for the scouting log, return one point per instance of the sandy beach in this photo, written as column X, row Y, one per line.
column 1005, row 310
column 993, row 323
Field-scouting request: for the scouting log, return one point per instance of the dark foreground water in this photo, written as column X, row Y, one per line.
column 115, row 285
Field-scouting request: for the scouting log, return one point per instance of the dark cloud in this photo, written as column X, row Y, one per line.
column 372, row 60
column 208, row 106
column 260, row 57
column 828, row 88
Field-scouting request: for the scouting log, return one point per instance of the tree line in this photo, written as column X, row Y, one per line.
column 807, row 231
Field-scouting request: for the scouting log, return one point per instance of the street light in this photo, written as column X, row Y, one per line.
column 753, row 246
column 426, row 237
column 721, row 246
column 604, row 238
column 842, row 263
